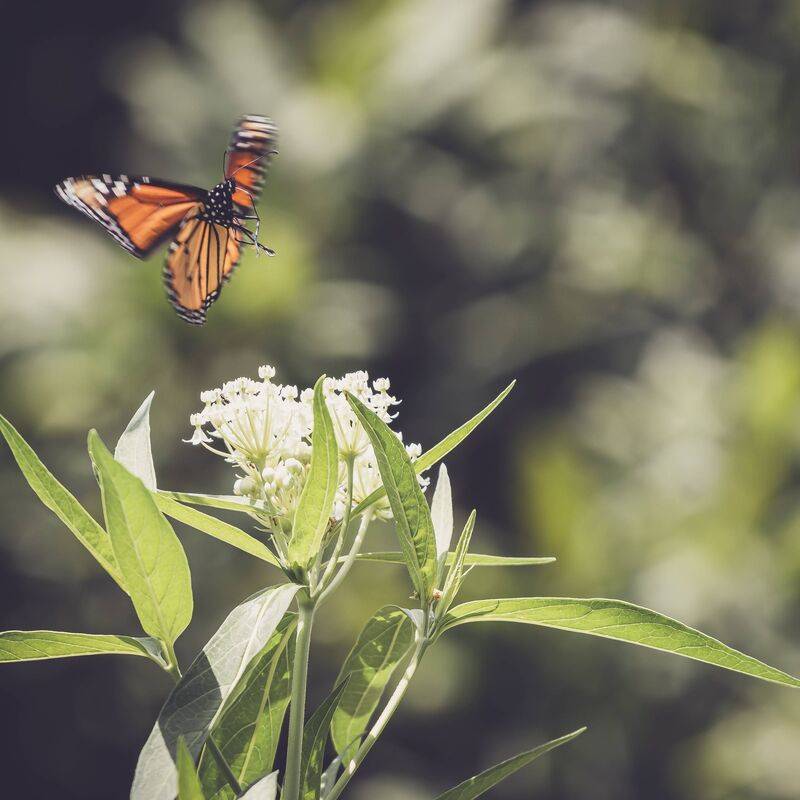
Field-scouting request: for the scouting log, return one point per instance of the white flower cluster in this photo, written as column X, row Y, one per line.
column 265, row 428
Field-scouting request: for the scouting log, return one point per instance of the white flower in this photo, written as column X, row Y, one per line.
column 265, row 430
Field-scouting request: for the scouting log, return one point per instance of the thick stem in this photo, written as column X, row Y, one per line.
column 383, row 720
column 297, row 709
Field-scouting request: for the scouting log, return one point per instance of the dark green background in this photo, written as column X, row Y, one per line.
column 599, row 199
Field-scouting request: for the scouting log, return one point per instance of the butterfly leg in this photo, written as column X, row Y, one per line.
column 253, row 240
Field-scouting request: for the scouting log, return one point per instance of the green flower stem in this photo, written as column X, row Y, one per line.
column 345, row 524
column 350, row 558
column 383, row 720
column 172, row 667
column 297, row 708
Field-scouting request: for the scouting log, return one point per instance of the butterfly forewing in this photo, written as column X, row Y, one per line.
column 252, row 146
column 139, row 212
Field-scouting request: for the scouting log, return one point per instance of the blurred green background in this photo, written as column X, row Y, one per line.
column 599, row 199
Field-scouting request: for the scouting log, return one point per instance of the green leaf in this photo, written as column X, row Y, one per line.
column 249, row 726
column 381, row 646
column 412, row 516
column 316, row 500
column 61, row 502
column 439, row 451
column 265, row 789
column 315, row 735
column 195, row 703
column 148, row 552
column 471, row 559
column 223, row 531
column 189, row 787
column 474, row 787
column 442, row 513
column 456, row 574
column 40, row 645
column 224, row 502
column 133, row 448
column 615, row 619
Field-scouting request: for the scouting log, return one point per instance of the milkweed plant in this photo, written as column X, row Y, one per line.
column 314, row 469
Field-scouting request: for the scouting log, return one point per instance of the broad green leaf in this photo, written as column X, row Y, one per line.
column 61, row 502
column 315, row 735
column 410, row 510
column 189, row 787
column 315, row 506
column 223, row 531
column 381, row 646
column 40, row 645
column 224, row 502
column 249, row 726
column 475, row 787
column 133, row 448
column 149, row 555
column 195, row 703
column 439, row 451
column 265, row 789
column 471, row 559
column 442, row 514
column 456, row 573
column 616, row 619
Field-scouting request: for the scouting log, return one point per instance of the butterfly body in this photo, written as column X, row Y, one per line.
column 207, row 229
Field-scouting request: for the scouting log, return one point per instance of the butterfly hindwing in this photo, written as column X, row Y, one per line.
column 139, row 212
column 252, row 146
column 201, row 258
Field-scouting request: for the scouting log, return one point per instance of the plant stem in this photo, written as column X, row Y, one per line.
column 297, row 709
column 174, row 670
column 377, row 729
column 350, row 559
column 345, row 524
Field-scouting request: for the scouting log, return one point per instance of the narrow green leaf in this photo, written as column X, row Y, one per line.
column 456, row 574
column 61, row 502
column 475, row 787
column 329, row 776
column 439, row 451
column 224, row 502
column 40, row 645
column 250, row 724
column 315, row 735
column 412, row 516
column 149, row 555
column 471, row 559
column 195, row 703
column 442, row 514
column 133, row 449
column 265, row 789
column 616, row 619
column 381, row 646
column 189, row 787
column 223, row 531
column 315, row 506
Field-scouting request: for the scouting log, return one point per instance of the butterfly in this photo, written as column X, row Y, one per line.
column 207, row 229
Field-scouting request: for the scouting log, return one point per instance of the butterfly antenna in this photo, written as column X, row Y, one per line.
column 249, row 163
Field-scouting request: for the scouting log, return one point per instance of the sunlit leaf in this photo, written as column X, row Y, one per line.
column 315, row 735
column 223, row 531
column 249, row 726
column 61, row 502
column 40, row 645
column 149, row 555
column 440, row 450
column 455, row 576
column 470, row 560
column 195, row 703
column 474, row 787
column 133, row 449
column 381, row 646
column 224, row 502
column 189, row 787
column 315, row 506
column 616, row 619
column 412, row 517
column 265, row 789
column 442, row 513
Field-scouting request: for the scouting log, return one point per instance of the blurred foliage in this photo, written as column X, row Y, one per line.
column 599, row 199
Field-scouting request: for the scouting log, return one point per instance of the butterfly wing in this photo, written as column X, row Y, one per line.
column 252, row 146
column 140, row 213
column 201, row 258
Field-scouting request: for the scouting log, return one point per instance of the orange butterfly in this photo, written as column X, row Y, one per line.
column 207, row 228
